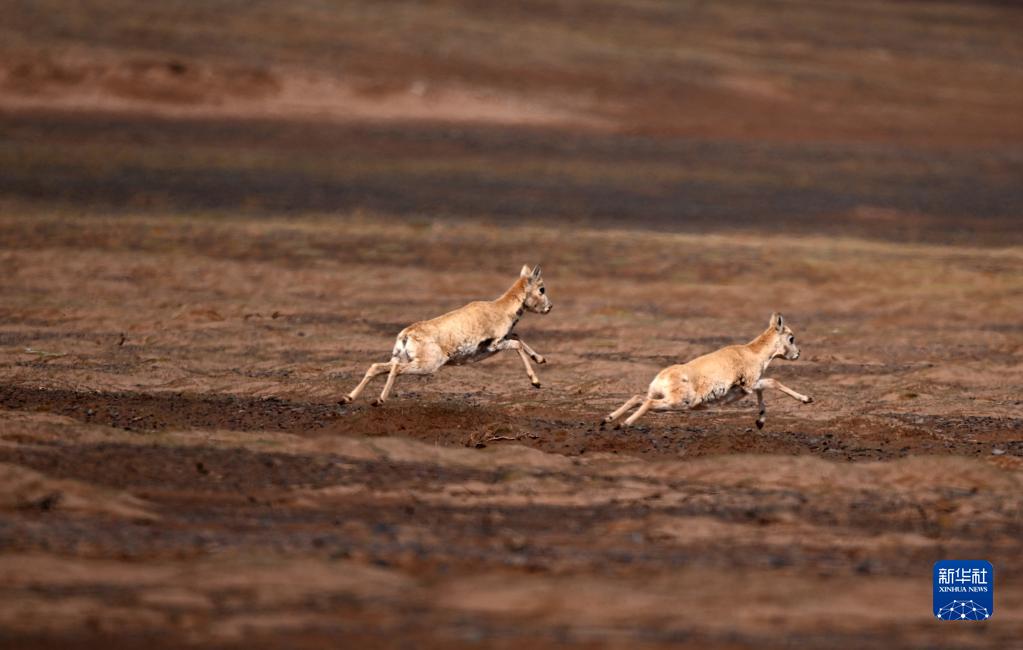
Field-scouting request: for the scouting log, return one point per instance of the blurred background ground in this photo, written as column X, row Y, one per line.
column 214, row 215
column 868, row 118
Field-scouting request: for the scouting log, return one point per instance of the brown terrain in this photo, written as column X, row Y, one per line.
column 213, row 217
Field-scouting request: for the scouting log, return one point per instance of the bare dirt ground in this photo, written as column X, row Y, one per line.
column 213, row 218
column 176, row 469
column 930, row 73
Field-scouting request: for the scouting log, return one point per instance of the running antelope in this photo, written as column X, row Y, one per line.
column 470, row 333
column 723, row 376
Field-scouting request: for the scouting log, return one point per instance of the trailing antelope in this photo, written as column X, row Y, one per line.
column 470, row 333
column 723, row 376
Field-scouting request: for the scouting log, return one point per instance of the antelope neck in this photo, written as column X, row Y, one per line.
column 761, row 346
column 515, row 297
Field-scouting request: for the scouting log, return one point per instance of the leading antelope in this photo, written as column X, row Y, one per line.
column 723, row 376
column 470, row 333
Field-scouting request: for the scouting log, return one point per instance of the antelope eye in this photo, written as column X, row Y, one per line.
column 543, row 290
column 792, row 339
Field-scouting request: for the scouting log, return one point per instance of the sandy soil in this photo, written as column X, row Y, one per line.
column 176, row 469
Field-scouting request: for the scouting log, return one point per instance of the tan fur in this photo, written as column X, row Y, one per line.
column 723, row 376
column 470, row 333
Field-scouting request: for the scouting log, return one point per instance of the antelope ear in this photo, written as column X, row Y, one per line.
column 524, row 273
column 536, row 273
column 777, row 322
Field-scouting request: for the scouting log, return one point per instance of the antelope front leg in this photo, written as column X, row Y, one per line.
column 777, row 385
column 374, row 370
column 762, row 417
column 539, row 358
column 517, row 345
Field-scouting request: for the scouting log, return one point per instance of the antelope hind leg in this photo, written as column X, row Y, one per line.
column 396, row 369
column 621, row 410
column 373, row 371
column 640, row 412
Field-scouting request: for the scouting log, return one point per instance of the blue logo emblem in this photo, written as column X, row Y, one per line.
column 964, row 590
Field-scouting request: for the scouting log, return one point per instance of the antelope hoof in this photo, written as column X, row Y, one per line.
column 377, row 402
column 760, row 424
column 618, row 425
column 540, row 359
column 347, row 399
column 808, row 400
column 536, row 383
